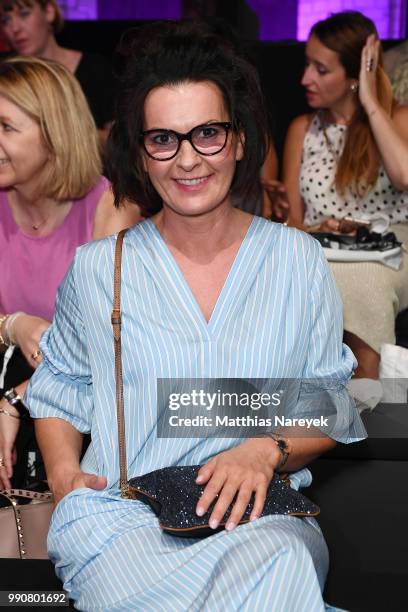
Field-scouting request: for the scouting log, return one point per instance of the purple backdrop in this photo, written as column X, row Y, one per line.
column 278, row 19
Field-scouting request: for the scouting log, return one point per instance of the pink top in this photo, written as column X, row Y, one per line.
column 31, row 267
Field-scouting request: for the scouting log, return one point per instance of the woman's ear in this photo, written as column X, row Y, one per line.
column 240, row 146
column 50, row 13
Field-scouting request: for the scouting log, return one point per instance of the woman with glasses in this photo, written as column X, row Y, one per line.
column 208, row 292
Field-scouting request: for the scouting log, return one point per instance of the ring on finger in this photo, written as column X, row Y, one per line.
column 36, row 355
column 370, row 64
column 2, row 462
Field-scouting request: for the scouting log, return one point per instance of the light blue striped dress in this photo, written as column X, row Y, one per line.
column 278, row 315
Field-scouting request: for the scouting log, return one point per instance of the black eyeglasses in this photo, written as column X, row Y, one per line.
column 206, row 139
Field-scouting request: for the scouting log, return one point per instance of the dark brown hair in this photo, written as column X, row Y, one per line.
column 8, row 5
column 167, row 53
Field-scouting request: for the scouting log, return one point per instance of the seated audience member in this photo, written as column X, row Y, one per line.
column 52, row 199
column 396, row 66
column 29, row 27
column 350, row 157
column 207, row 291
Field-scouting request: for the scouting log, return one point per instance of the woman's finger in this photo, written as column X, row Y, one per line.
column 240, row 505
column 225, row 499
column 210, row 493
column 5, row 472
column 259, row 503
column 36, row 357
column 205, row 472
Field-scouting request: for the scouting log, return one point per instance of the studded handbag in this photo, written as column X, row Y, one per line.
column 24, row 526
column 172, row 492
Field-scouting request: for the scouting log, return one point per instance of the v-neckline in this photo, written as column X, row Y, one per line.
column 185, row 285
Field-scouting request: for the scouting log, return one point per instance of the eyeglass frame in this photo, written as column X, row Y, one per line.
column 227, row 125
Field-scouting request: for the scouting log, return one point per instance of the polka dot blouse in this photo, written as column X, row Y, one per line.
column 318, row 169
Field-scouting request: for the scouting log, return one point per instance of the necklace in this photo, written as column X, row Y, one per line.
column 330, row 146
column 36, row 226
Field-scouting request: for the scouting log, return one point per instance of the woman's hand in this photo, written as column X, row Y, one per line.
column 9, row 426
column 70, row 479
column 341, row 226
column 26, row 331
column 8, row 431
column 239, row 472
column 368, row 74
column 278, row 200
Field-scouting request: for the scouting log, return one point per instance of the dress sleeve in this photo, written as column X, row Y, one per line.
column 330, row 363
column 62, row 384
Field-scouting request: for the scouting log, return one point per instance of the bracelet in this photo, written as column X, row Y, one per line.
column 283, row 447
column 15, row 400
column 3, row 319
column 9, row 322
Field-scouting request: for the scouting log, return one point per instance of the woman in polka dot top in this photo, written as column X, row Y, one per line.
column 350, row 157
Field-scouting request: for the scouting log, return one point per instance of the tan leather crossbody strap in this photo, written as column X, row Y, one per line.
column 116, row 324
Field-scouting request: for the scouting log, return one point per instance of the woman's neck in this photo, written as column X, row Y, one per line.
column 35, row 214
column 67, row 57
column 342, row 114
column 204, row 234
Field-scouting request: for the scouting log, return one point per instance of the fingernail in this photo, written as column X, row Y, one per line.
column 200, row 511
column 213, row 524
column 230, row 526
column 253, row 518
column 199, row 478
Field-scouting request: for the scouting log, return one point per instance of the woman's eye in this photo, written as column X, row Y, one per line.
column 162, row 139
column 4, row 20
column 24, row 13
column 322, row 70
column 208, row 132
column 6, row 127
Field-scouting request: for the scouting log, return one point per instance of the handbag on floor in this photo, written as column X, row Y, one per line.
column 24, row 526
column 172, row 492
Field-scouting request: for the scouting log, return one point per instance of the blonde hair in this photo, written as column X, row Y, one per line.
column 51, row 96
column 346, row 33
column 58, row 23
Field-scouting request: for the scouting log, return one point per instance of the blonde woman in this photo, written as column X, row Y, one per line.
column 349, row 157
column 52, row 199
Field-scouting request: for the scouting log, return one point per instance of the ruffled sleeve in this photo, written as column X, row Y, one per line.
column 62, row 385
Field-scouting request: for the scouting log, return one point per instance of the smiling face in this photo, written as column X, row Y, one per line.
column 28, row 29
column 325, row 80
column 23, row 155
column 191, row 184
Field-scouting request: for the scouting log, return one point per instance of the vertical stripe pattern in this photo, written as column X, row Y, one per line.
column 278, row 315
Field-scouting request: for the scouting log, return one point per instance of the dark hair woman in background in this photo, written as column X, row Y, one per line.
column 30, row 27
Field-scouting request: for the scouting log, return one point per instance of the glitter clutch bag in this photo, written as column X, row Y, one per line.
column 172, row 492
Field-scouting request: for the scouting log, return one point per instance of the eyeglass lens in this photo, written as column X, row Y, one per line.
column 206, row 139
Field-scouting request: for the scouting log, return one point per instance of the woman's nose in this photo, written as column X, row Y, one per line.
column 187, row 157
column 306, row 77
column 14, row 25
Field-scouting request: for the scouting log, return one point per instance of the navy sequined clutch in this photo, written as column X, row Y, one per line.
column 173, row 494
